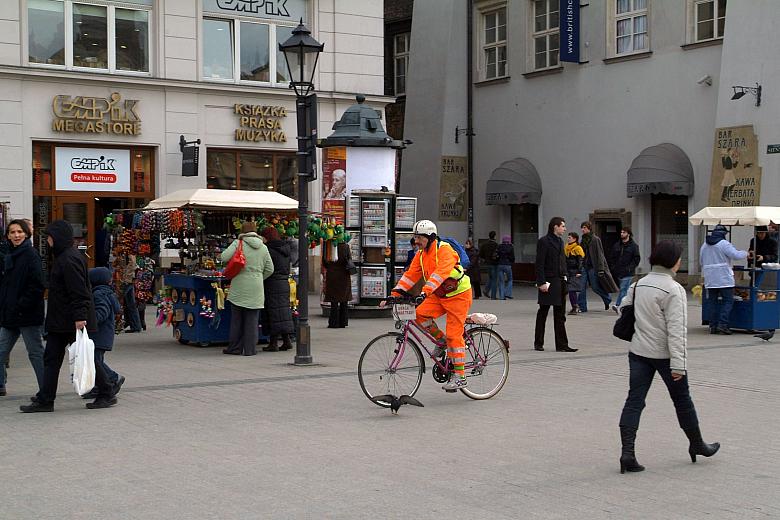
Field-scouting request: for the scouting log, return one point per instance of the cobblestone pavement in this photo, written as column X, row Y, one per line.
column 200, row 435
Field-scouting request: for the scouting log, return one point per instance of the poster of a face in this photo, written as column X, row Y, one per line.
column 334, row 182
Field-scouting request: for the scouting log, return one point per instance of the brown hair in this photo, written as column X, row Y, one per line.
column 587, row 224
column 22, row 223
column 270, row 233
column 248, row 226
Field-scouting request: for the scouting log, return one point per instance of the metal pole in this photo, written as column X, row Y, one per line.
column 303, row 344
column 470, row 118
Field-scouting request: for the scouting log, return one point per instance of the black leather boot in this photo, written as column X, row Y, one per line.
column 272, row 346
column 628, row 460
column 286, row 345
column 698, row 446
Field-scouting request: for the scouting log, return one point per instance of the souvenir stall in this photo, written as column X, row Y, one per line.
column 756, row 306
column 194, row 290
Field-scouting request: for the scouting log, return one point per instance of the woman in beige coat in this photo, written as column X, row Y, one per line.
column 246, row 290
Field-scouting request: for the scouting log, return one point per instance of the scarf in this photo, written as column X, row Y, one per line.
column 14, row 253
column 573, row 249
column 586, row 240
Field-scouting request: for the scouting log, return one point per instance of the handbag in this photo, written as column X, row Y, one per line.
column 625, row 326
column 81, row 362
column 236, row 263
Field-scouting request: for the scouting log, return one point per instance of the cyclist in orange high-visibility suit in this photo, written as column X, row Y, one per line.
column 435, row 262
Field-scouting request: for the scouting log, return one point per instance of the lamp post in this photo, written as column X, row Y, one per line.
column 298, row 50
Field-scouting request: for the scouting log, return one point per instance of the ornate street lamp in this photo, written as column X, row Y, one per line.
column 299, row 50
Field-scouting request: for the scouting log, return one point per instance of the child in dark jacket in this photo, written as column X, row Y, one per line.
column 106, row 307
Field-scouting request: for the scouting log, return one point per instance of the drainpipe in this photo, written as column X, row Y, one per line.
column 469, row 116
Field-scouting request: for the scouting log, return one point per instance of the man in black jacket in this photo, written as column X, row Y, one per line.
column 551, row 282
column 487, row 253
column 623, row 261
column 70, row 309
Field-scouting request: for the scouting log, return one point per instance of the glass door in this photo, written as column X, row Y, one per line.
column 80, row 213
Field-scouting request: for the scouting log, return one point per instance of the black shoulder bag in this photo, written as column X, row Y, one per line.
column 624, row 326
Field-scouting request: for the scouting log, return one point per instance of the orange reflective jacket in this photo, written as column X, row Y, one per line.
column 434, row 265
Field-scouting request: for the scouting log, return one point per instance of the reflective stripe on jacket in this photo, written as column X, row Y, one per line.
column 439, row 262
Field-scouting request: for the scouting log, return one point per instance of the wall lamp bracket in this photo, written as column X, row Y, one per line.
column 740, row 91
column 463, row 131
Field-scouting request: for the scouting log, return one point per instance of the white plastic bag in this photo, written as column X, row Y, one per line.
column 81, row 360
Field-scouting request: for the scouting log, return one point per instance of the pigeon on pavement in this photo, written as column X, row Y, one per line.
column 396, row 402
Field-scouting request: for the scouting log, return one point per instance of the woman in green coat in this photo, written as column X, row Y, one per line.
column 246, row 290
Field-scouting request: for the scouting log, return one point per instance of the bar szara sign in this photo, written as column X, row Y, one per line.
column 95, row 115
column 260, row 123
column 452, row 188
column 736, row 176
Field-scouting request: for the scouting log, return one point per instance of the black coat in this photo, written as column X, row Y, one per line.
column 338, row 282
column 21, row 289
column 277, row 315
column 106, row 307
column 624, row 259
column 70, row 294
column 505, row 254
column 473, row 270
column 551, row 267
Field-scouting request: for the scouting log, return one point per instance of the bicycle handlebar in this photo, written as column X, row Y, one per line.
column 406, row 298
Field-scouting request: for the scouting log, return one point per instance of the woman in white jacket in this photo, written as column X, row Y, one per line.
column 659, row 345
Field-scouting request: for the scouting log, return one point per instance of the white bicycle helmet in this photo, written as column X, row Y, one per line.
column 424, row 227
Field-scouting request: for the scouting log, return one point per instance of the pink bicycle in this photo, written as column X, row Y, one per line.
column 393, row 364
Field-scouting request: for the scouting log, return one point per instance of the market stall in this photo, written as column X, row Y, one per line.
column 194, row 290
column 756, row 306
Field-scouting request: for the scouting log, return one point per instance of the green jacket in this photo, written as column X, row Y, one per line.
column 246, row 289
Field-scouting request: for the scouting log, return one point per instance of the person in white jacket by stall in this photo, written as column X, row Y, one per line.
column 715, row 257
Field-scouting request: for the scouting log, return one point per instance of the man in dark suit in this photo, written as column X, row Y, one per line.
column 551, row 282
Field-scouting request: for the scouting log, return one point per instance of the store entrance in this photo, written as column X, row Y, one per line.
column 80, row 213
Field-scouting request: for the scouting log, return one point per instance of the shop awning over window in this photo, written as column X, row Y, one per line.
column 514, row 182
column 663, row 168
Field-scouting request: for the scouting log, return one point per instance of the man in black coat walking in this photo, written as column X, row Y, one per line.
column 623, row 261
column 70, row 309
column 551, row 282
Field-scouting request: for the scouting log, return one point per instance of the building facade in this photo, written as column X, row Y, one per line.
column 95, row 96
column 635, row 132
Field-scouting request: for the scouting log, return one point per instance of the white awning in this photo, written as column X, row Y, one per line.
column 223, row 199
column 736, row 216
column 514, row 182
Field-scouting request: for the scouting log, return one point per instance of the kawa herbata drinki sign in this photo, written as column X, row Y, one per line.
column 736, row 175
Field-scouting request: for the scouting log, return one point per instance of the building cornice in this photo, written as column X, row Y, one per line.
column 152, row 83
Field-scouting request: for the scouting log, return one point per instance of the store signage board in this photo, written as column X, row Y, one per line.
column 286, row 10
column 260, row 123
column 189, row 161
column 773, row 148
column 92, row 169
column 570, row 30
column 95, row 115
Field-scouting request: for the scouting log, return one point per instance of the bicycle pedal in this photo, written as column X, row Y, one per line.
column 451, row 391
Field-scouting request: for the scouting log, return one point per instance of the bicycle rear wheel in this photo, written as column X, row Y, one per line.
column 487, row 363
column 376, row 374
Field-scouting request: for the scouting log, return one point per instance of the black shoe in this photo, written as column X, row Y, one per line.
column 566, row 349
column 606, row 305
column 102, row 402
column 232, row 352
column 725, row 331
column 118, row 384
column 539, row 348
column 37, row 407
column 698, row 446
column 92, row 394
column 271, row 348
column 3, row 392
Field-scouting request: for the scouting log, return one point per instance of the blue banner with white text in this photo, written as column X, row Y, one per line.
column 570, row 30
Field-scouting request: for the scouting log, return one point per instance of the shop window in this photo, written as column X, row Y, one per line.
column 287, row 176
column 252, row 171
column 401, row 59
column 221, row 174
column 46, row 23
column 42, row 170
column 142, row 171
column 256, row 172
column 546, row 34
column 71, row 34
column 670, row 222
column 255, row 46
column 494, row 59
column 707, row 19
column 525, row 232
column 628, row 27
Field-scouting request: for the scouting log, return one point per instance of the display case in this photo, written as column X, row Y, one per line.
column 402, row 247
column 373, row 282
column 405, row 212
column 756, row 305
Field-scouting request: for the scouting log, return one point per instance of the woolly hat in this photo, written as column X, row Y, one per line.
column 506, row 239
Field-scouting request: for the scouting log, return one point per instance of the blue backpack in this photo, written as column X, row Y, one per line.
column 464, row 256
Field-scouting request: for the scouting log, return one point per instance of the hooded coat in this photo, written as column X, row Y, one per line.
column 106, row 307
column 715, row 257
column 277, row 315
column 70, row 293
column 21, row 288
column 246, row 289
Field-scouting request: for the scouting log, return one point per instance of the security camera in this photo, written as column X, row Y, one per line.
column 705, row 80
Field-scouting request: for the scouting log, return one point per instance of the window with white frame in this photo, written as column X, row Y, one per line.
column 401, row 62
column 631, row 30
column 546, row 33
column 100, row 35
column 709, row 19
column 237, row 50
column 494, row 43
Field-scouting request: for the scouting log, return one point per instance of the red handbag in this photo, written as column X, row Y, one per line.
column 236, row 263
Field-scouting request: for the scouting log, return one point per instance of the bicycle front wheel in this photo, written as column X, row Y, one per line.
column 381, row 371
column 487, row 363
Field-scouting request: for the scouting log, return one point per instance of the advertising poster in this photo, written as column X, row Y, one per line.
column 452, row 188
column 334, row 182
column 736, row 176
column 90, row 169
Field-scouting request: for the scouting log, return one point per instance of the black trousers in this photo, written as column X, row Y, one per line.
column 642, row 371
column 56, row 345
column 559, row 323
column 243, row 330
column 338, row 317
